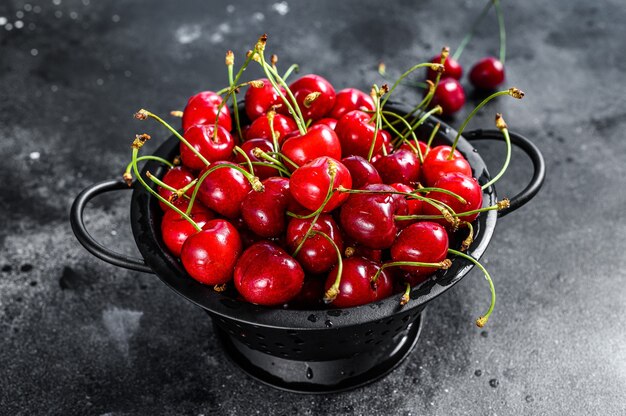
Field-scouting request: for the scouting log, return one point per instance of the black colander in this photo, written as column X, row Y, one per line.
column 308, row 350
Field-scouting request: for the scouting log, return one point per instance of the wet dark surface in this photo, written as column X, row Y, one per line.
column 78, row 336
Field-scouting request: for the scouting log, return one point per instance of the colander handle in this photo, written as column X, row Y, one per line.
column 80, row 231
column 533, row 152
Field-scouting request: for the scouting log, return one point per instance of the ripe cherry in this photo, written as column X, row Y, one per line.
column 415, row 206
column 307, row 87
column 260, row 128
column 363, row 173
column 424, row 242
column 264, row 212
column 330, row 122
column 209, row 256
column 212, row 147
column 450, row 95
column 266, row 275
column 259, row 100
column 355, row 287
column 462, row 185
column 350, row 99
column 262, row 172
column 368, row 218
column 452, row 68
column 311, row 294
column 401, row 166
column 317, row 254
column 175, row 229
column 318, row 141
column 356, row 132
column 436, row 164
column 223, row 190
column 310, row 183
column 202, row 109
column 487, row 74
column 177, row 177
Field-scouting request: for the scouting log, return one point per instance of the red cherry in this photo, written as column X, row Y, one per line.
column 311, row 294
column 436, row 164
column 260, row 128
column 369, row 220
column 310, row 84
column 356, row 132
column 363, row 173
column 264, row 212
column 317, row 255
column 309, row 184
column 350, row 99
column 452, row 68
column 175, row 229
column 487, row 74
column 259, row 100
column 450, row 95
column 202, row 109
column 262, row 172
column 209, row 256
column 266, row 275
column 212, row 148
column 223, row 190
column 355, row 287
column 423, row 147
column 318, row 141
column 330, row 122
column 415, row 206
column 424, row 242
column 177, row 177
column 462, row 185
column 357, row 250
column 400, row 166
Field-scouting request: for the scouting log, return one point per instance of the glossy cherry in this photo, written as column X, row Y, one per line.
column 436, row 164
column 303, row 87
column 223, row 190
column 213, row 148
column 450, row 95
column 317, row 254
column 415, row 206
column 202, row 109
column 309, row 184
column 266, row 275
column 401, row 166
column 353, row 249
column 356, row 287
column 259, row 100
column 363, row 173
column 350, row 99
column 330, row 122
column 452, row 68
column 356, row 132
column 209, row 256
column 175, row 229
column 260, row 128
column 262, row 172
column 318, row 141
column 177, row 177
column 487, row 74
column 424, row 242
column 368, row 218
column 462, row 185
column 264, row 212
column 423, row 147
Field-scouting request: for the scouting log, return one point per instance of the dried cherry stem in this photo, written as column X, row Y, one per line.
column 465, row 244
column 254, row 181
column 176, row 113
column 333, row 291
column 475, row 23
column 444, row 264
column 513, row 92
column 432, row 136
column 293, row 68
column 144, row 114
column 406, row 296
column 239, row 150
column 136, row 147
column 382, row 71
column 480, row 322
column 435, row 67
column 128, row 177
column 501, row 30
column 501, row 125
column 505, row 203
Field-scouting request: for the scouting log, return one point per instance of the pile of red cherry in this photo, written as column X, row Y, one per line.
column 312, row 201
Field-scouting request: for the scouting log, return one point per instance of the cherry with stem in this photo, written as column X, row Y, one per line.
column 501, row 125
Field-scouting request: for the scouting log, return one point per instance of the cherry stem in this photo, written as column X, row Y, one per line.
column 472, row 114
column 507, row 139
column 480, row 322
column 156, row 194
column 293, row 68
column 141, row 159
column 383, row 73
column 408, row 194
column 403, row 138
column 406, row 296
column 235, row 106
column 239, row 150
column 268, row 156
column 273, row 166
column 254, row 181
column 501, row 29
column 333, row 291
column 444, row 264
column 499, row 206
column 431, row 91
column 432, row 136
column 317, row 212
column 377, row 116
column 285, row 158
column 227, row 89
column 443, row 191
column 468, row 37
column 465, row 244
column 270, row 121
column 143, row 114
column 407, row 73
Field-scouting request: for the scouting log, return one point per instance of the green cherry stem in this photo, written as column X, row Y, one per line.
column 505, row 203
column 403, row 138
column 480, row 322
column 128, row 178
column 432, row 136
column 445, row 51
column 317, row 212
column 501, row 124
column 376, row 117
column 239, row 150
column 501, row 29
column 513, row 92
column 273, row 166
column 467, row 242
column 144, row 114
column 435, row 67
column 293, row 68
column 333, row 291
column 475, row 23
column 231, row 81
column 444, row 264
column 406, row 296
column 285, row 158
column 412, row 194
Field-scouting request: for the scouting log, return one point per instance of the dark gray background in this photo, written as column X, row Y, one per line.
column 78, row 336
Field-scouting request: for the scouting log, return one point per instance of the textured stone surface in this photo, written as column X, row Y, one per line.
column 78, row 336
